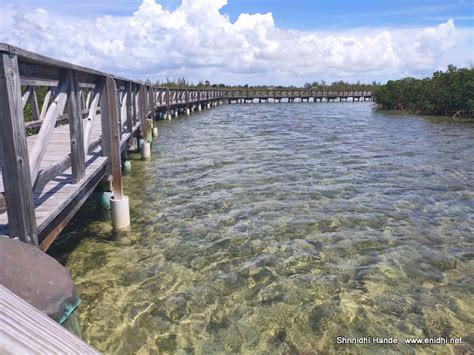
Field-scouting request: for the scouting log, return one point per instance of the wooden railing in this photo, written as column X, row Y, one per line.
column 85, row 99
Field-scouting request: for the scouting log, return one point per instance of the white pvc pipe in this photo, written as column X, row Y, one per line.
column 120, row 213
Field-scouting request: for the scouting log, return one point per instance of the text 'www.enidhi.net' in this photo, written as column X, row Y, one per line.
column 393, row 340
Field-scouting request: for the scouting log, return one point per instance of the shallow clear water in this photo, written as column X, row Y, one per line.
column 275, row 228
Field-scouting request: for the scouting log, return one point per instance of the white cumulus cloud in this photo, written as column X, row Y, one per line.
column 198, row 42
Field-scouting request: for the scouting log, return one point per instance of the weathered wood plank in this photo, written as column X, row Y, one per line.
column 54, row 111
column 44, row 108
column 129, row 122
column 51, row 172
column 76, row 129
column 37, row 82
column 34, row 104
column 142, row 98
column 26, row 330
column 134, row 105
column 110, row 118
column 15, row 164
column 167, row 100
column 68, row 202
column 24, row 98
column 122, row 108
column 91, row 117
column 104, row 119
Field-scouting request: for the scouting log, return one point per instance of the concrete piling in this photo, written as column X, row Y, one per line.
column 120, row 213
column 146, row 150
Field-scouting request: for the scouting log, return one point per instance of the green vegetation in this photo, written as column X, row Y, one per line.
column 40, row 93
column 449, row 93
column 322, row 85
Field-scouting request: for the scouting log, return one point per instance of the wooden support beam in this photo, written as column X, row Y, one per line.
column 122, row 96
column 91, row 116
column 129, row 121
column 152, row 103
column 15, row 163
column 34, row 104
column 54, row 111
column 44, row 108
column 135, row 104
column 24, row 98
column 109, row 112
column 88, row 99
column 142, row 110
column 76, row 129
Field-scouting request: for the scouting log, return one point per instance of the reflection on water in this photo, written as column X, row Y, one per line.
column 275, row 228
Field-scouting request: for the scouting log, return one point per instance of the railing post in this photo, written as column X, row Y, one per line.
column 76, row 130
column 142, row 106
column 129, row 102
column 134, row 105
column 14, row 154
column 154, row 128
column 152, row 102
column 186, row 98
column 168, row 104
column 109, row 110
column 111, row 131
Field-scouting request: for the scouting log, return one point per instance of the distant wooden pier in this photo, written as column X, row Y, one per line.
column 295, row 95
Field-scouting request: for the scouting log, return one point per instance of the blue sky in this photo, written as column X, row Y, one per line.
column 317, row 14
column 248, row 41
column 297, row 14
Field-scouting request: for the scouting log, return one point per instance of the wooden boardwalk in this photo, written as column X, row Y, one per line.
column 54, row 151
column 52, row 159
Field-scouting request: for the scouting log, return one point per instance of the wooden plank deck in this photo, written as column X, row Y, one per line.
column 26, row 330
column 61, row 197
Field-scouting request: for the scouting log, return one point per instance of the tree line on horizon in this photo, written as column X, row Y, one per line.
column 322, row 85
column 448, row 93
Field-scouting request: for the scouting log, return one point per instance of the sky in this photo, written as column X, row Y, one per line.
column 247, row 41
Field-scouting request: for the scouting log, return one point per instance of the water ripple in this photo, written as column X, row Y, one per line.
column 275, row 228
